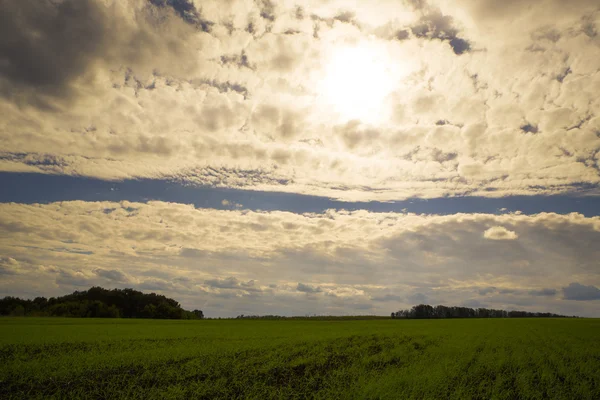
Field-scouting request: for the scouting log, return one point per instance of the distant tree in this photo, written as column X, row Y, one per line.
column 424, row 311
column 100, row 303
column 18, row 311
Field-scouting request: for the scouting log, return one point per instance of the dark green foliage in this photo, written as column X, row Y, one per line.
column 100, row 303
column 425, row 311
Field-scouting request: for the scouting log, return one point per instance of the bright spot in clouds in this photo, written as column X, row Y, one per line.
column 357, row 81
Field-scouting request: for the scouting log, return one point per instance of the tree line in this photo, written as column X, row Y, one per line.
column 99, row 303
column 313, row 317
column 425, row 311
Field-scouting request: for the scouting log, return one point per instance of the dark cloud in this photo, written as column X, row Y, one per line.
column 474, row 303
column 487, row 290
column 417, row 4
column 418, row 298
column 226, row 283
column 187, row 11
column 111, row 275
column 529, row 128
column 192, row 253
column 68, row 278
column 240, row 60
column 387, row 298
column 402, row 34
column 224, row 87
column 45, row 162
column 48, row 49
column 267, row 9
column 434, row 25
column 459, row 45
column 441, row 157
column 346, row 17
column 232, row 283
column 45, row 45
column 577, row 291
column 356, row 136
column 589, row 26
column 561, row 77
column 543, row 292
column 308, row 288
column 549, row 34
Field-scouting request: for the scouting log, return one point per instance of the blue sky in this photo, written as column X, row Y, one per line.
column 31, row 188
column 303, row 157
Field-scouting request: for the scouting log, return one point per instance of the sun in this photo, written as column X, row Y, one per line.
column 356, row 82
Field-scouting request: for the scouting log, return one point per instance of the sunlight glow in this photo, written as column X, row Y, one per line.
column 356, row 82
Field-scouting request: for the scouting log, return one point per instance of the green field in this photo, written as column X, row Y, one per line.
column 364, row 359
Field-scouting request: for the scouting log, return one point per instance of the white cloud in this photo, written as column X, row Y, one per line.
column 234, row 261
column 515, row 113
column 499, row 233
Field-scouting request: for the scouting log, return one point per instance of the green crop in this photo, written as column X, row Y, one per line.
column 298, row 359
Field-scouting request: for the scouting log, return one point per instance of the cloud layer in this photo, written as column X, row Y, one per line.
column 363, row 101
column 482, row 100
column 338, row 262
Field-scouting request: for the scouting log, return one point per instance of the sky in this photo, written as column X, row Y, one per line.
column 303, row 157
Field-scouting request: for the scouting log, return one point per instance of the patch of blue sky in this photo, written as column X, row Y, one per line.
column 40, row 188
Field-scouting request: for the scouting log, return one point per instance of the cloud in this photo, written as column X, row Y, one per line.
column 487, row 290
column 474, row 303
column 111, row 275
column 308, row 288
column 70, row 279
column 258, row 262
column 499, row 233
column 543, row 292
column 435, row 25
column 231, row 204
column 388, row 298
column 187, row 11
column 9, row 266
column 577, row 291
column 232, row 283
column 46, row 45
column 418, row 298
column 51, row 49
column 111, row 104
column 155, row 284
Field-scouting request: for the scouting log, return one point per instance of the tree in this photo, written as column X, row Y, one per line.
column 424, row 311
column 98, row 302
column 18, row 311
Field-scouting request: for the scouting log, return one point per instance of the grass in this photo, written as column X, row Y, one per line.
column 297, row 359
